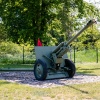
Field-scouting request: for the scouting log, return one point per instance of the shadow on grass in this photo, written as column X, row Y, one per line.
column 4, row 83
column 90, row 69
column 85, row 92
column 87, row 71
column 16, row 66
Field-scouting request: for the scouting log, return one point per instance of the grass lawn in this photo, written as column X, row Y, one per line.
column 88, row 68
column 14, row 91
column 12, row 66
column 88, row 91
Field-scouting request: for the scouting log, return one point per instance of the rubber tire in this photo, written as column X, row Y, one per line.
column 71, row 66
column 44, row 68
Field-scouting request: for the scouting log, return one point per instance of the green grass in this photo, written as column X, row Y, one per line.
column 14, row 91
column 85, row 56
column 18, row 66
column 88, row 68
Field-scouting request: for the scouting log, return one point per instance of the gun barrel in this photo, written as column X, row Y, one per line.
column 62, row 44
column 91, row 22
column 58, row 47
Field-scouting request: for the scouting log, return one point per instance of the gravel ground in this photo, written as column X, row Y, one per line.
column 27, row 77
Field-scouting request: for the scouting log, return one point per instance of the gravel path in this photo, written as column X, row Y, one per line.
column 27, row 77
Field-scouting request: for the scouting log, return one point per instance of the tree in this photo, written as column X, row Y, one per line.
column 69, row 19
column 28, row 20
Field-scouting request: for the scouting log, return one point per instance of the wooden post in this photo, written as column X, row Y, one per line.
column 23, row 54
column 74, row 54
column 97, row 55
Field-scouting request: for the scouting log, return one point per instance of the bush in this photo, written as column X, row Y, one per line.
column 13, row 53
column 9, row 48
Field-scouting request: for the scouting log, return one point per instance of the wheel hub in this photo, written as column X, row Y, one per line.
column 39, row 70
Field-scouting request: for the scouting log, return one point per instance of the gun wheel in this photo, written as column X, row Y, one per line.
column 70, row 66
column 40, row 70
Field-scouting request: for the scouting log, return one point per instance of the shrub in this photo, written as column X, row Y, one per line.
column 13, row 53
column 9, row 48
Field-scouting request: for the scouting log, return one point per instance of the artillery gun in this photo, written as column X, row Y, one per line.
column 52, row 61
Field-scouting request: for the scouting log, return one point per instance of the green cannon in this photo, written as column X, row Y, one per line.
column 52, row 61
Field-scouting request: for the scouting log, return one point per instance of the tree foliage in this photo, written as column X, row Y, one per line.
column 26, row 20
column 3, row 33
column 89, row 39
column 51, row 20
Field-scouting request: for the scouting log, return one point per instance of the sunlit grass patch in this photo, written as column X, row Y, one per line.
column 14, row 91
column 88, row 68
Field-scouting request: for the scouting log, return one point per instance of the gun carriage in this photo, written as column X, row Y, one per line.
column 52, row 61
